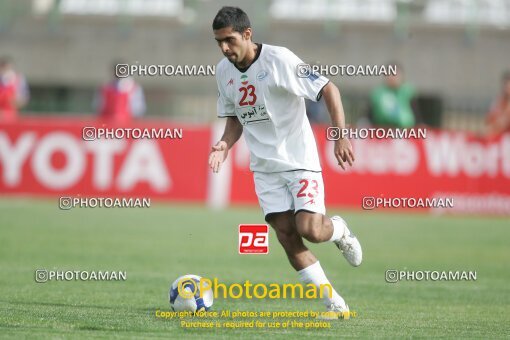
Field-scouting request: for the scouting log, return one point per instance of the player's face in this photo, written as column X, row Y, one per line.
column 233, row 44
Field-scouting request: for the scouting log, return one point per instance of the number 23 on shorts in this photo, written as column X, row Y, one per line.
column 309, row 188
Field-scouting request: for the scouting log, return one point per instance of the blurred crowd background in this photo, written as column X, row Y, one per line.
column 57, row 57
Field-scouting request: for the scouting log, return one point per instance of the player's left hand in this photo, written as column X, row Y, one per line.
column 343, row 152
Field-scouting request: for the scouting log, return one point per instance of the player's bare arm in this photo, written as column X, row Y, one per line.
column 343, row 148
column 219, row 152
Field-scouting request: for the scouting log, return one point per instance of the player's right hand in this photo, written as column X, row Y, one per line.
column 218, row 155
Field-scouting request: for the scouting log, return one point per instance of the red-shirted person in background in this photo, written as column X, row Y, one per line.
column 120, row 100
column 498, row 118
column 13, row 90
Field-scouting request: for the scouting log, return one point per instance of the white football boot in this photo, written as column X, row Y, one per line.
column 349, row 245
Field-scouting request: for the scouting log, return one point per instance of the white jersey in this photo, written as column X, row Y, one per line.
column 268, row 99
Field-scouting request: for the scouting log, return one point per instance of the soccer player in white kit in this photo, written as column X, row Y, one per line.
column 260, row 93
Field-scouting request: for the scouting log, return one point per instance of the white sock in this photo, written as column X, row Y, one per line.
column 338, row 230
column 315, row 275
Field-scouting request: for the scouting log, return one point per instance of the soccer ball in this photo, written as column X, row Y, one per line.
column 185, row 294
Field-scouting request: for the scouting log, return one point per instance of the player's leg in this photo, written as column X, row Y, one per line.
column 303, row 260
column 316, row 227
column 276, row 201
column 311, row 222
column 298, row 254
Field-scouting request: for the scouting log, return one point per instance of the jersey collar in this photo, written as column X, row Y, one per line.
column 259, row 49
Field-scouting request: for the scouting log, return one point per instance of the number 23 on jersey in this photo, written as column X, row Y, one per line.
column 248, row 95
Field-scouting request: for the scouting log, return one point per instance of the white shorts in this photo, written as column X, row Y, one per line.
column 290, row 190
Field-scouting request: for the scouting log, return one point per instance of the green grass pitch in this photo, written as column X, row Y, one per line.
column 156, row 245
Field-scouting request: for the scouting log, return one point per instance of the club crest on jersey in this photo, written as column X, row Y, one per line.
column 261, row 75
column 230, row 82
column 244, row 79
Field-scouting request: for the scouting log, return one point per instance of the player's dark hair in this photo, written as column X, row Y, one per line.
column 231, row 17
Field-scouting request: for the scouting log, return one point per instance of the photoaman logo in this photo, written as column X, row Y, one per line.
column 188, row 288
